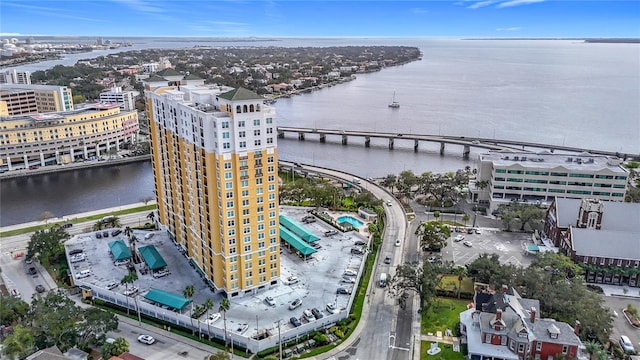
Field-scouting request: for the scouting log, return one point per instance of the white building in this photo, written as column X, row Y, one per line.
column 15, row 77
column 125, row 99
column 150, row 67
column 541, row 177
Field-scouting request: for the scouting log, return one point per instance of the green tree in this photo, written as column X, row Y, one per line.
column 389, row 181
column 97, row 323
column 47, row 243
column 79, row 99
column 486, row 268
column 50, row 327
column 465, row 219
column 188, row 292
column 414, row 278
column 19, row 344
column 119, row 346
column 99, row 225
column 436, row 214
column 130, row 278
column 592, row 348
column 225, row 304
column 220, row 356
column 433, row 236
column 11, row 309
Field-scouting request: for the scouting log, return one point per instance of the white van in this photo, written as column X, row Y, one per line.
column 83, row 274
column 383, row 280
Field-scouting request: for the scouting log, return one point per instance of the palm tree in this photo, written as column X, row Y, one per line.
column 126, row 280
column 592, row 348
column 224, row 306
column 98, row 225
column 465, row 218
column 188, row 292
column 151, row 216
column 208, row 304
column 436, row 214
column 389, row 181
column 461, row 272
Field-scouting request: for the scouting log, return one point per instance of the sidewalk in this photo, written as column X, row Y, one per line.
column 618, row 290
column 105, row 212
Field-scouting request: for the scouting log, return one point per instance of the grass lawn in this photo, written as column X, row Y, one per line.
column 77, row 220
column 443, row 314
column 447, row 352
column 450, row 282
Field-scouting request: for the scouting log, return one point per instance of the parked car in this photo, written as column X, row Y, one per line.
column 112, row 285
column 360, row 242
column 295, row 321
column 98, row 236
column 626, row 345
column 308, row 315
column 467, row 243
column 343, row 290
column 458, row 238
column 387, row 260
column 315, row 245
column 67, row 225
column 269, row 300
column 105, row 234
column 40, row 288
column 77, row 258
column 478, row 231
column 146, row 339
column 295, row 304
column 357, row 251
column 116, row 232
column 213, row 318
column 32, row 271
column 348, row 280
column 292, row 280
column 331, row 308
column 317, row 313
column 75, row 252
column 470, row 231
column 330, row 232
column 130, row 291
column 350, row 272
column 432, row 259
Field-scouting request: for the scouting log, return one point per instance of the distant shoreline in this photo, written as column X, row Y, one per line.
column 587, row 40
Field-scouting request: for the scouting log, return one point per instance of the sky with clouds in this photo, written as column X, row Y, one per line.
column 328, row 18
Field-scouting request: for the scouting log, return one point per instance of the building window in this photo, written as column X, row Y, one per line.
column 487, row 338
column 565, row 349
column 520, row 347
column 586, row 260
column 538, row 345
column 256, row 122
column 602, row 260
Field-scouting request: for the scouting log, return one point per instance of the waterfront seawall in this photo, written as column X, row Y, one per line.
column 72, row 166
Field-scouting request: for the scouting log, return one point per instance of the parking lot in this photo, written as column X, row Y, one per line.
column 508, row 245
column 318, row 277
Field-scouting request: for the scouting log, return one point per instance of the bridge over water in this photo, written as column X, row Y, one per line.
column 466, row 142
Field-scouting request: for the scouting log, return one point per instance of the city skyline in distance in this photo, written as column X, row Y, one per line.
column 236, row 18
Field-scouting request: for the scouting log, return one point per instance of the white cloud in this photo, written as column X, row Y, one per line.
column 515, row 28
column 517, row 3
column 10, row 34
column 419, row 10
column 480, row 4
column 142, row 6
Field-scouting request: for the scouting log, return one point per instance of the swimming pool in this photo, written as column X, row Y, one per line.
column 351, row 220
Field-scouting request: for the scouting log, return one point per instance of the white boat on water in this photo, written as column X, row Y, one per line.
column 394, row 104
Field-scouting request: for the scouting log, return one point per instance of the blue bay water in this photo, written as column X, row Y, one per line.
column 548, row 91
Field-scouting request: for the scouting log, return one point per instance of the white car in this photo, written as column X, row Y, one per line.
column 398, row 242
column 478, row 231
column 389, row 203
column 130, row 291
column 458, row 238
column 146, row 339
column 292, row 280
column 213, row 318
column 350, row 272
column 467, row 244
column 112, row 285
column 331, row 308
column 76, row 258
column 295, row 304
column 269, row 300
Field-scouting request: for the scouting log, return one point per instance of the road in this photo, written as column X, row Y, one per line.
column 389, row 333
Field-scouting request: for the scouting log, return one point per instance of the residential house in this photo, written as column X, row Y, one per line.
column 602, row 236
column 503, row 325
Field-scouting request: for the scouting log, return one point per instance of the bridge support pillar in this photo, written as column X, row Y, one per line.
column 42, row 158
column 441, row 149
column 280, row 134
column 415, row 145
column 345, row 139
column 391, row 144
column 300, row 136
column 466, row 151
column 367, row 141
column 323, row 138
column 25, row 160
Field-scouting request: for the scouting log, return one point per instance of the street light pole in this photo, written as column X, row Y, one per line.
column 279, row 341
